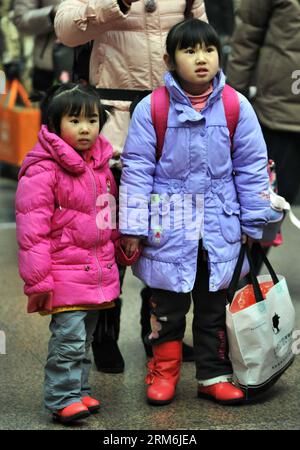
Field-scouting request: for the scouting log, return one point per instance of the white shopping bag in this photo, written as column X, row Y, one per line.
column 260, row 336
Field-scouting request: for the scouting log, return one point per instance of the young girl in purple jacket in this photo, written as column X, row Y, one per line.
column 65, row 232
column 226, row 189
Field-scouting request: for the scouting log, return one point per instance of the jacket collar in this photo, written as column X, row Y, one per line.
column 52, row 147
column 182, row 102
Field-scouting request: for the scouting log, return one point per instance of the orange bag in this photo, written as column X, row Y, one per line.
column 19, row 125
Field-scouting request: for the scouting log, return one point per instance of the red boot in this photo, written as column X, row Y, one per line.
column 224, row 393
column 164, row 372
column 72, row 412
column 91, row 403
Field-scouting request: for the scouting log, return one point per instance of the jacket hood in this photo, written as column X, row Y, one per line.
column 52, row 147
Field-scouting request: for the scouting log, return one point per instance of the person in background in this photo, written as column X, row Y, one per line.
column 220, row 14
column 50, row 58
column 266, row 53
column 126, row 63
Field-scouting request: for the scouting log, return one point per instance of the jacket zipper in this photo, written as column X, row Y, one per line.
column 92, row 176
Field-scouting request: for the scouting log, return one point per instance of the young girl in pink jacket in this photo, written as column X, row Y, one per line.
column 65, row 213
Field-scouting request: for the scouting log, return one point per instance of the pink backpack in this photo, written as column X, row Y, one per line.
column 160, row 103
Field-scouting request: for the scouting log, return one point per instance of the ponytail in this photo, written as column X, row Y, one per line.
column 188, row 9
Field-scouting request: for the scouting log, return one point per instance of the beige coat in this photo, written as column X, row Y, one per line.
column 128, row 48
column 266, row 52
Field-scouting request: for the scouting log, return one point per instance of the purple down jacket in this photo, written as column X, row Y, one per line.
column 203, row 179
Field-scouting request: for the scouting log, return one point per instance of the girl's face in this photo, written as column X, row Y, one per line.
column 196, row 67
column 80, row 132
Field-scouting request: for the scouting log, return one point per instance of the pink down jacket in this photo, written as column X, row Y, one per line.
column 64, row 207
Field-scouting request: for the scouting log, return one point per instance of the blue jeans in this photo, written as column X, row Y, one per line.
column 68, row 363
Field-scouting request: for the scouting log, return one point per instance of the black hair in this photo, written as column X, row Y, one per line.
column 189, row 33
column 70, row 99
column 188, row 9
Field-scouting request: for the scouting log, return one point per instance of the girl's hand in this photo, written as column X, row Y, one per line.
column 130, row 244
column 42, row 301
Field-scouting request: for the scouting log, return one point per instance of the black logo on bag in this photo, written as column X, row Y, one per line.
column 275, row 320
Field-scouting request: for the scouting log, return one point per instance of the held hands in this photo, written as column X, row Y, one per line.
column 130, row 244
column 41, row 301
column 128, row 250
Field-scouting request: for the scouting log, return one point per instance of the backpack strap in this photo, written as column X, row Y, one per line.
column 232, row 110
column 160, row 103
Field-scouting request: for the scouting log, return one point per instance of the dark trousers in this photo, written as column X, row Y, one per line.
column 108, row 325
column 284, row 149
column 209, row 330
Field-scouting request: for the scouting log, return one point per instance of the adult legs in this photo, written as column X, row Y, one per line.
column 284, row 150
column 107, row 355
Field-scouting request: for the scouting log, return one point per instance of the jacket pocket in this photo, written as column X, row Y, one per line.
column 229, row 219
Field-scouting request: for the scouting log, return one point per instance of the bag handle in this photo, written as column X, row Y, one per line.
column 13, row 90
column 245, row 250
column 266, row 262
column 237, row 272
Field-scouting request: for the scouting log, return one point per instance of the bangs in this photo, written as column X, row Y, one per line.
column 197, row 32
column 72, row 100
column 73, row 103
column 189, row 33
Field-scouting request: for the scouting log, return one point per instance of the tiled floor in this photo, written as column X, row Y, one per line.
column 123, row 395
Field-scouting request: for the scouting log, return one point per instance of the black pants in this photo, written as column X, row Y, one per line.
column 284, row 149
column 108, row 325
column 42, row 79
column 209, row 330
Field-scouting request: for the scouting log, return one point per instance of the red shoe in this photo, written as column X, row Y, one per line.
column 91, row 403
column 164, row 372
column 224, row 393
column 72, row 412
